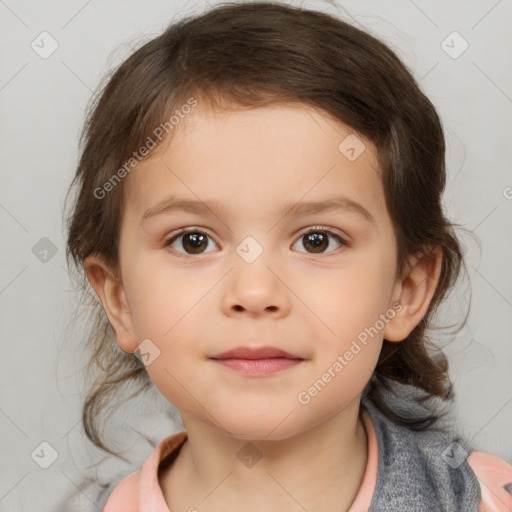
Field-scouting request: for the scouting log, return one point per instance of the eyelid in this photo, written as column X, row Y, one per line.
column 183, row 231
column 343, row 240
column 332, row 231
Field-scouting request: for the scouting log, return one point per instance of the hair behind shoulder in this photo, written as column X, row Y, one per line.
column 250, row 55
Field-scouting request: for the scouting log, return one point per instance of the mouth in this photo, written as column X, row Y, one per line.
column 257, row 361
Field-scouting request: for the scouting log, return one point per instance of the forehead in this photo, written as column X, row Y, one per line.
column 261, row 158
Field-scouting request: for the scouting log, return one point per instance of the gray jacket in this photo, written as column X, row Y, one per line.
column 421, row 471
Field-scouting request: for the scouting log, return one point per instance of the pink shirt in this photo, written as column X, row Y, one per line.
column 141, row 492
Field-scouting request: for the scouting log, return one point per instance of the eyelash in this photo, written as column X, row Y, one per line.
column 313, row 229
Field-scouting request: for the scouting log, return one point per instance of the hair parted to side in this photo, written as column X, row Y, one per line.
column 250, row 55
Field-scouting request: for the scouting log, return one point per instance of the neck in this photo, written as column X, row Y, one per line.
column 319, row 469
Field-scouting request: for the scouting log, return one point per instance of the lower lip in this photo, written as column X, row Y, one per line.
column 259, row 366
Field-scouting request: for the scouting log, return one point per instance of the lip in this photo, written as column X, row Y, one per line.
column 257, row 361
column 255, row 353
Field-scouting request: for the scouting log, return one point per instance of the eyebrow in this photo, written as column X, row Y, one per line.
column 174, row 204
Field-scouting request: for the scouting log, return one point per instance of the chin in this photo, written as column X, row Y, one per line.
column 258, row 428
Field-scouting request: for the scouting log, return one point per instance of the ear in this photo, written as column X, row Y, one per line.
column 109, row 289
column 414, row 291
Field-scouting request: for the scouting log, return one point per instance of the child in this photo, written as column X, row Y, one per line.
column 259, row 212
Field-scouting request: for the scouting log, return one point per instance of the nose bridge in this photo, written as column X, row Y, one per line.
column 254, row 285
column 251, row 261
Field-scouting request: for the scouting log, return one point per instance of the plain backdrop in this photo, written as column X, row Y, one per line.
column 460, row 51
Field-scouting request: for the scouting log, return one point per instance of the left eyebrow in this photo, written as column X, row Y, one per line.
column 331, row 204
column 174, row 204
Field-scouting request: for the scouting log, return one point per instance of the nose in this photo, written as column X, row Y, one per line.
column 256, row 289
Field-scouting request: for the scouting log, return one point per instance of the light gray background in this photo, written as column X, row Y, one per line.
column 43, row 103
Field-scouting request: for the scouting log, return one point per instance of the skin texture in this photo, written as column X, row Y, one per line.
column 311, row 304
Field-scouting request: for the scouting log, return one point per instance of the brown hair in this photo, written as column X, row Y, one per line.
column 248, row 55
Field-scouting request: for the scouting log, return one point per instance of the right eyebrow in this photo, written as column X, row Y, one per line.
column 174, row 204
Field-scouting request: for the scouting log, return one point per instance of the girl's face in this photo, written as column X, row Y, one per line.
column 251, row 276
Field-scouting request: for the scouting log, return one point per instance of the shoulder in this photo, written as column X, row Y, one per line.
column 142, row 486
column 414, row 470
column 125, row 496
column 493, row 474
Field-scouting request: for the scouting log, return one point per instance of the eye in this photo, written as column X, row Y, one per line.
column 317, row 239
column 192, row 240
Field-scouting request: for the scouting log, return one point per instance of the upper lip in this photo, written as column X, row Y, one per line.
column 254, row 353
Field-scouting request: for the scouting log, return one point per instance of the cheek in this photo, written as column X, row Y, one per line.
column 169, row 309
column 160, row 296
column 346, row 301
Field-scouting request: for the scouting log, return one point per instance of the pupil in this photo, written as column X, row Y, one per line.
column 193, row 241
column 316, row 240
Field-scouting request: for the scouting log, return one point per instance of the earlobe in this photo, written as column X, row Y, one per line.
column 414, row 292
column 109, row 289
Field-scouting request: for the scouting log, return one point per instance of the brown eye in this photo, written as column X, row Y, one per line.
column 316, row 241
column 193, row 242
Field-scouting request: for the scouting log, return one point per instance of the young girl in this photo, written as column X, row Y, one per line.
column 258, row 210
